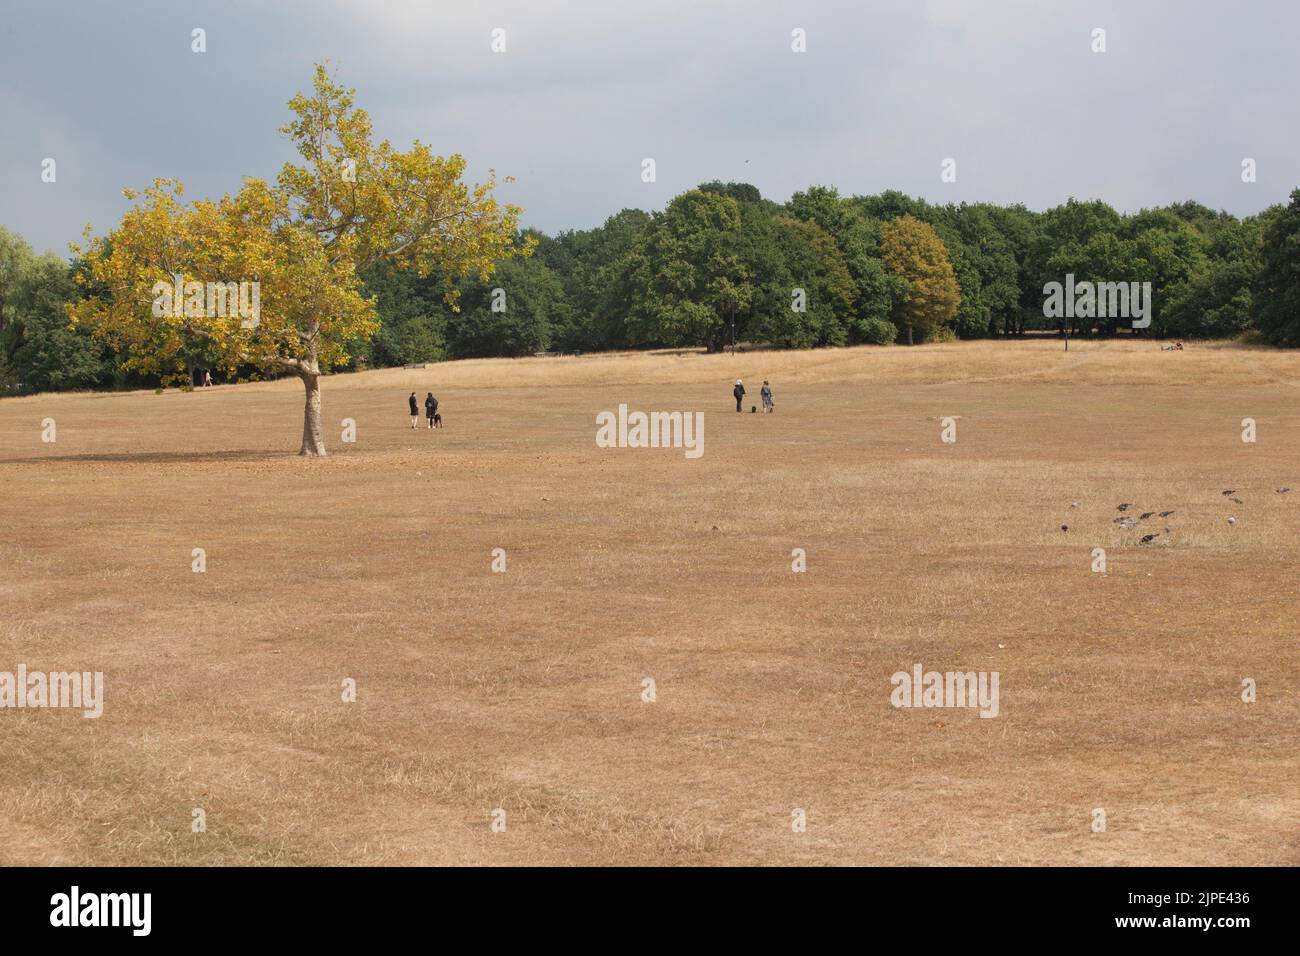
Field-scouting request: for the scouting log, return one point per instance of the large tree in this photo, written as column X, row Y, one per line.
column 876, row 289
column 1218, row 299
column 594, row 265
column 38, row 352
column 49, row 356
column 688, row 274
column 16, row 260
column 913, row 250
column 1279, row 282
column 516, row 312
column 413, row 319
column 809, row 261
column 349, row 205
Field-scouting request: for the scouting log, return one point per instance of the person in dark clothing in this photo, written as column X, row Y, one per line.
column 431, row 408
column 766, row 393
column 739, row 392
column 415, row 410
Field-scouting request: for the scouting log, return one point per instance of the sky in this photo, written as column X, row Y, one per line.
column 885, row 91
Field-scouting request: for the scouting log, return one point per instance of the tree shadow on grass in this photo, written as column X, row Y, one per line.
column 158, row 457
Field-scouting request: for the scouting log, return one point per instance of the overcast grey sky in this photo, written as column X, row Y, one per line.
column 886, row 91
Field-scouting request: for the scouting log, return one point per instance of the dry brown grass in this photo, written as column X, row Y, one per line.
column 522, row 690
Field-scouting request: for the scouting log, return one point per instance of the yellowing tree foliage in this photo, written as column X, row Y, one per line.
column 913, row 250
column 303, row 240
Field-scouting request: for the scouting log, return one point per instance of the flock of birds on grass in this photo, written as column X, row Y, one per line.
column 1128, row 523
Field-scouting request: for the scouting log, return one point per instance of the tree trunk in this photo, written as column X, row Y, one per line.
column 313, row 436
column 909, row 335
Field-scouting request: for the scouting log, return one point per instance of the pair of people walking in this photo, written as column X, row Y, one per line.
column 765, row 392
column 430, row 409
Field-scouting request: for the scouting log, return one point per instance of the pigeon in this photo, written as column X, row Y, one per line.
column 1065, row 527
column 1165, row 514
column 1232, row 520
column 1145, row 515
column 1128, row 524
column 1282, row 491
column 1237, row 500
column 1231, row 491
column 1125, row 506
column 1075, row 504
column 1148, row 538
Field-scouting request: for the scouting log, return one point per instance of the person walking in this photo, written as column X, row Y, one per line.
column 766, row 393
column 431, row 408
column 415, row 410
column 739, row 392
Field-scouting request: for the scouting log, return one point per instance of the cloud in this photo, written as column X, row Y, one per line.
column 587, row 89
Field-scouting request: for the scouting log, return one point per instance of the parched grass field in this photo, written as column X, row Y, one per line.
column 523, row 690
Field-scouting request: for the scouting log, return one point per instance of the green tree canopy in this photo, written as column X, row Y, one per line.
column 688, row 275
column 1279, row 283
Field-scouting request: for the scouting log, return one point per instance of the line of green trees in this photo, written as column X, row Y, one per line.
column 721, row 264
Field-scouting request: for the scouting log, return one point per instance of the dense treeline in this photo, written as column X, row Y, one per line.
column 722, row 264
